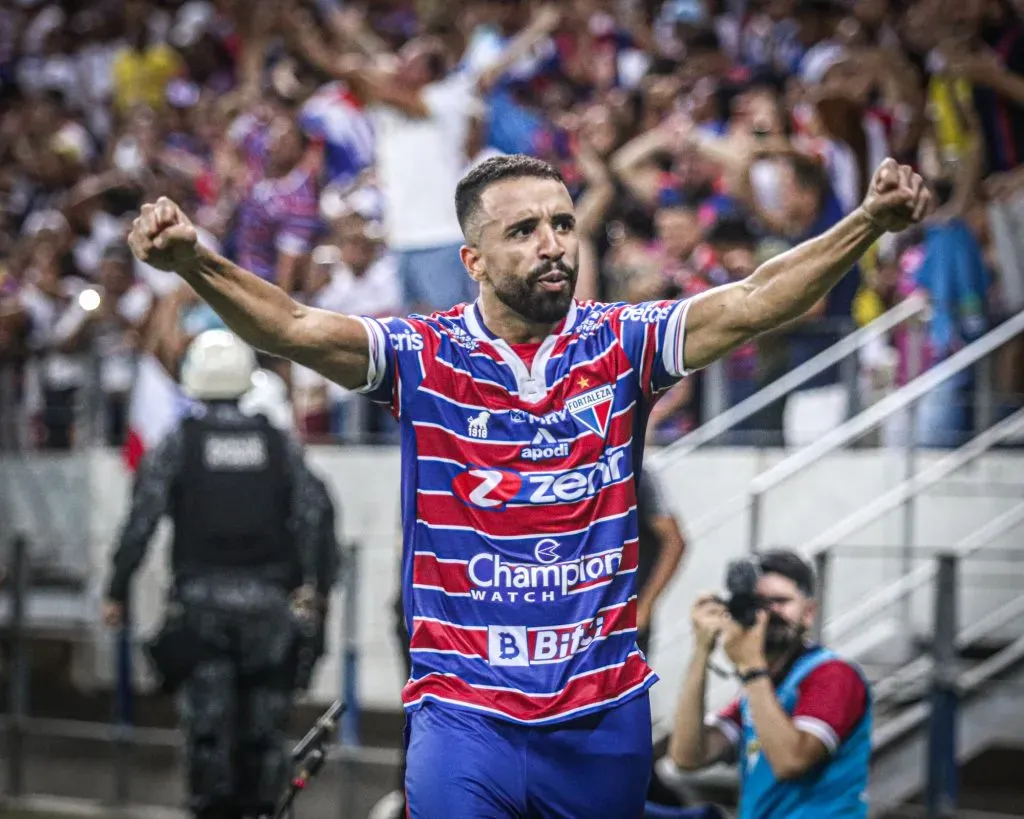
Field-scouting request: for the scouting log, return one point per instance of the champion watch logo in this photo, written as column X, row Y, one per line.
column 592, row 408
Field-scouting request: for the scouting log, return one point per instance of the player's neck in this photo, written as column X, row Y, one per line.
column 510, row 326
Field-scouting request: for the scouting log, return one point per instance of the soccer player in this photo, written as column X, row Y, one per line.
column 522, row 420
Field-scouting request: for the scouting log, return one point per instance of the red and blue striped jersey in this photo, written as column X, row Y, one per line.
column 519, row 503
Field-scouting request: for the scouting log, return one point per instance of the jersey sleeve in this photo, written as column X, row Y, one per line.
column 399, row 351
column 653, row 334
column 729, row 722
column 831, row 702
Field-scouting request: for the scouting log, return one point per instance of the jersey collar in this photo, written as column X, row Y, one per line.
column 477, row 328
column 531, row 383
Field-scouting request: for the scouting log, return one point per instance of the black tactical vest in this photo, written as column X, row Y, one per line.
column 231, row 503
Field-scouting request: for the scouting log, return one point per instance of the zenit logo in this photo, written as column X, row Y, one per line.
column 487, row 488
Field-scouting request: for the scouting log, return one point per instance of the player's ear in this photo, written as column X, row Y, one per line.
column 473, row 262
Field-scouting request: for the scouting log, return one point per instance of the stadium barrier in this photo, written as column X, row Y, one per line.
column 121, row 733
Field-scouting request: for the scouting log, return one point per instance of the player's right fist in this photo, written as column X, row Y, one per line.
column 163, row 236
column 708, row 617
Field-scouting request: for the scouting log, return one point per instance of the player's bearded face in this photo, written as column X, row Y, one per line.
column 543, row 295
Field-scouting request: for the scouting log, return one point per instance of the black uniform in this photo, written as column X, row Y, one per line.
column 247, row 531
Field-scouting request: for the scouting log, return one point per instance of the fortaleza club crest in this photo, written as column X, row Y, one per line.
column 592, row 408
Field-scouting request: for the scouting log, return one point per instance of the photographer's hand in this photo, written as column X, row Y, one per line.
column 693, row 745
column 745, row 646
column 708, row 617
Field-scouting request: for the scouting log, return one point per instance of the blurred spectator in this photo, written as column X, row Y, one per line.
column 420, row 108
column 118, row 324
column 357, row 275
column 278, row 220
column 142, row 67
column 697, row 137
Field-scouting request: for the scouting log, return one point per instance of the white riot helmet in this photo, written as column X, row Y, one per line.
column 268, row 396
column 218, row 366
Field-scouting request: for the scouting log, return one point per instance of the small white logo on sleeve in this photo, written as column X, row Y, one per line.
column 506, row 645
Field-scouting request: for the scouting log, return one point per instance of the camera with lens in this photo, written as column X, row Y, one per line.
column 744, row 602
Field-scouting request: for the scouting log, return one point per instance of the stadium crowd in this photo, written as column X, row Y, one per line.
column 319, row 144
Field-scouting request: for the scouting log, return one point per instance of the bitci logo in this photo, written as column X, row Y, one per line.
column 507, row 645
column 519, row 646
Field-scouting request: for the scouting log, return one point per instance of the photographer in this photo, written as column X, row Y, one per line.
column 801, row 728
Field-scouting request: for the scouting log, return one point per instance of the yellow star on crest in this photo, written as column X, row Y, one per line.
column 582, row 382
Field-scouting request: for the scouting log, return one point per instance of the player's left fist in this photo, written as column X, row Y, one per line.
column 897, row 197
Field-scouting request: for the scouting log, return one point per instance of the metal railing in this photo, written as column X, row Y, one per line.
column 910, row 582
column 903, row 400
column 817, row 548
column 949, row 687
column 900, row 401
column 854, row 342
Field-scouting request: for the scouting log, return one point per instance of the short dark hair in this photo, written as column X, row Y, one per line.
column 493, row 170
column 791, row 565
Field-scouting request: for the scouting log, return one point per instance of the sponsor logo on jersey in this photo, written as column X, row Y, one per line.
column 592, row 408
column 522, row 417
column 646, row 313
column 544, row 447
column 406, row 342
column 489, row 488
column 546, row 550
column 460, row 336
column 496, row 580
column 517, row 646
column 478, row 424
column 590, row 324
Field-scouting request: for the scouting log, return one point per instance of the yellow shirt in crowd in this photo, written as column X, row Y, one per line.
column 140, row 76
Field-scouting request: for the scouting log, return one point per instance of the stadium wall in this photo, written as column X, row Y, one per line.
column 366, row 480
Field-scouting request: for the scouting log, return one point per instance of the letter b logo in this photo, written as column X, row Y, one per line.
column 506, row 645
column 509, row 650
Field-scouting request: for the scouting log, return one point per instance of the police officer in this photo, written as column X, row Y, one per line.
column 244, row 561
column 269, row 396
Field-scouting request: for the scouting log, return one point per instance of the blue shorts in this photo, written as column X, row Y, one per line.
column 463, row 765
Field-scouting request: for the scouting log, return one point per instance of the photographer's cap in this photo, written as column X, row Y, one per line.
column 788, row 564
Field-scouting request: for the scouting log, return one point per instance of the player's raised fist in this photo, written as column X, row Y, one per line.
column 897, row 197
column 163, row 236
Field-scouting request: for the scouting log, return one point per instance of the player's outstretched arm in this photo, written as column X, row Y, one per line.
column 787, row 286
column 260, row 313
